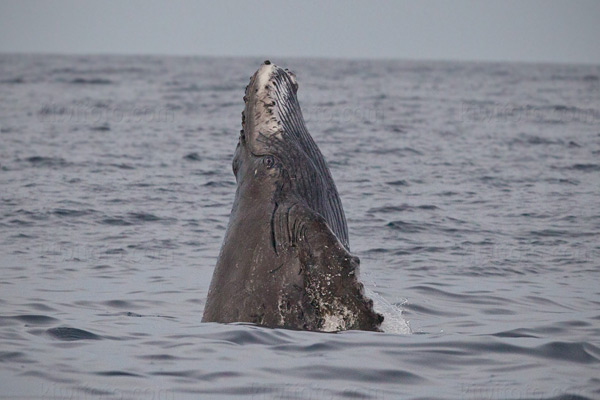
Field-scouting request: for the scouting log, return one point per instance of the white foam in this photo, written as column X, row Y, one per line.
column 393, row 321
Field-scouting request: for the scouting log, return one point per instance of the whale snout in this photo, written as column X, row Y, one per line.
column 270, row 82
column 261, row 78
column 269, row 99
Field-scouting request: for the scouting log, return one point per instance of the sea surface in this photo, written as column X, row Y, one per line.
column 472, row 192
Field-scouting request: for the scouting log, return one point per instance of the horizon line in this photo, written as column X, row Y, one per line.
column 312, row 57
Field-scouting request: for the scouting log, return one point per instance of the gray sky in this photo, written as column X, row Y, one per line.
column 549, row 30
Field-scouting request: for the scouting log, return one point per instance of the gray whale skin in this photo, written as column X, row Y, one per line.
column 285, row 260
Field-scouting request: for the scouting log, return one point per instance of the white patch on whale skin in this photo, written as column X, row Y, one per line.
column 281, row 309
column 267, row 116
column 338, row 319
column 265, row 121
column 263, row 75
column 332, row 323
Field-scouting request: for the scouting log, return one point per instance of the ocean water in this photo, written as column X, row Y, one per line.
column 472, row 192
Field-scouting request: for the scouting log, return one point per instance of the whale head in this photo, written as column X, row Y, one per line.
column 276, row 155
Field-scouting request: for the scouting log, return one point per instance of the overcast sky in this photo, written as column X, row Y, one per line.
column 549, row 30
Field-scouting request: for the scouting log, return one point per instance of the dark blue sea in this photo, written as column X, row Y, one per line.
column 472, row 192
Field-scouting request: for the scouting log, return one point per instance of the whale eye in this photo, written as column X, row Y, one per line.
column 269, row 161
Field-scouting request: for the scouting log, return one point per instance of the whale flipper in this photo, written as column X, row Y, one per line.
column 334, row 298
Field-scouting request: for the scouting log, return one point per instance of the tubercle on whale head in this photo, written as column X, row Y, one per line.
column 270, row 88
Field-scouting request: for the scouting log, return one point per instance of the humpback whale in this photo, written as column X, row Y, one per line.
column 285, row 260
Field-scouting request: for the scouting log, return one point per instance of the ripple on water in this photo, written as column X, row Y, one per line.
column 90, row 81
column 327, row 372
column 121, row 304
column 14, row 357
column 118, row 373
column 31, row 319
column 71, row 334
column 192, row 157
column 47, row 162
column 136, row 218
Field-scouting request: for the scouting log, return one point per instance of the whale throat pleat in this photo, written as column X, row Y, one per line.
column 322, row 197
